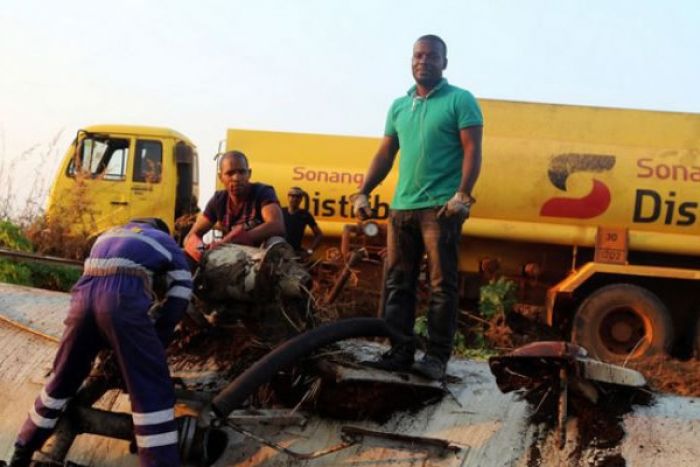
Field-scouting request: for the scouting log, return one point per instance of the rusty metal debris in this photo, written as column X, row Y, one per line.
column 348, row 372
column 351, row 436
column 356, row 434
column 342, row 279
column 265, row 288
column 296, row 455
column 34, row 258
column 560, row 367
column 242, row 273
column 274, row 417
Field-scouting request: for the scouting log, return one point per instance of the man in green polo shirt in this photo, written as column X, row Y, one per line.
column 438, row 129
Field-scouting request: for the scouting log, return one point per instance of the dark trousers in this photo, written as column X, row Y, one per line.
column 412, row 233
column 111, row 312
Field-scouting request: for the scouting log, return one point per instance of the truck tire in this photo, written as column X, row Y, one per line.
column 622, row 321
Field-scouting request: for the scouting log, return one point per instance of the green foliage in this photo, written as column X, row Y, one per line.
column 31, row 274
column 14, row 273
column 420, row 328
column 478, row 351
column 12, row 238
column 496, row 297
column 53, row 277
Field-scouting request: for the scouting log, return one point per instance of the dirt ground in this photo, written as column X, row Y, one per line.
column 360, row 297
column 663, row 374
column 671, row 376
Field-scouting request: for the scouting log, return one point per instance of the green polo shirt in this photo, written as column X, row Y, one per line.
column 430, row 159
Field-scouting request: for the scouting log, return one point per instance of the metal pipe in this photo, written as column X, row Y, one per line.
column 355, row 258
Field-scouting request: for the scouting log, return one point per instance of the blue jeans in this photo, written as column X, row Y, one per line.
column 412, row 233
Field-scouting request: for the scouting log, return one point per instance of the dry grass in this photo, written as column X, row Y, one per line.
column 23, row 200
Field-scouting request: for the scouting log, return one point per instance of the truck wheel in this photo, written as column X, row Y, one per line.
column 623, row 321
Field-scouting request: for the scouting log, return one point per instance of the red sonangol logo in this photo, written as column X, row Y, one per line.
column 595, row 203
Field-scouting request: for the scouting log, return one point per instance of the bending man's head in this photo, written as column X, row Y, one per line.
column 153, row 222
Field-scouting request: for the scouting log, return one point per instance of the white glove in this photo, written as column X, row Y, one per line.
column 459, row 205
column 360, row 204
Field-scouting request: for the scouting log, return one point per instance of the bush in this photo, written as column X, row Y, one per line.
column 12, row 238
column 14, row 273
column 31, row 274
column 53, row 277
column 478, row 350
column 497, row 297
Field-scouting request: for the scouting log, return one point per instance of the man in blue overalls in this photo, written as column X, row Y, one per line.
column 109, row 308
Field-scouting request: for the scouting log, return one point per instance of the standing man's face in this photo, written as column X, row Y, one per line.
column 235, row 175
column 428, row 62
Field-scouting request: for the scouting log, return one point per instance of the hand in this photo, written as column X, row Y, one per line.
column 360, row 204
column 457, row 206
column 194, row 246
column 239, row 236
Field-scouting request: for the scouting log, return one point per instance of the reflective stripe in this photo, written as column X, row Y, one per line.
column 180, row 292
column 121, row 233
column 180, row 275
column 152, row 441
column 41, row 422
column 113, row 263
column 51, row 403
column 153, row 418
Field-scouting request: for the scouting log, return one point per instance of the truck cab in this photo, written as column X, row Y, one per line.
column 112, row 173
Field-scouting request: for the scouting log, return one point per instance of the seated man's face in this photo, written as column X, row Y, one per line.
column 235, row 175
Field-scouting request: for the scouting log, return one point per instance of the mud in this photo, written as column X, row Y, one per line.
column 227, row 351
column 668, row 375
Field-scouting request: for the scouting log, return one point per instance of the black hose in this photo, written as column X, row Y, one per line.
column 238, row 390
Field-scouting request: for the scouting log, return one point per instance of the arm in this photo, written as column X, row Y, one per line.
column 318, row 236
column 471, row 163
column 381, row 164
column 273, row 224
column 193, row 241
column 201, row 226
column 177, row 297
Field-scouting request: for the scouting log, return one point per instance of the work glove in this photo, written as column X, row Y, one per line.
column 458, row 206
column 360, row 204
column 194, row 246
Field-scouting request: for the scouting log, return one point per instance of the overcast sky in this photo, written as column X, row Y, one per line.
column 318, row 66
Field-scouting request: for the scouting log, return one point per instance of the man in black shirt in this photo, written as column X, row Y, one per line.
column 296, row 219
column 248, row 213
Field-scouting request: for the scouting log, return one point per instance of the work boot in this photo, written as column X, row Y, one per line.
column 430, row 367
column 398, row 358
column 22, row 457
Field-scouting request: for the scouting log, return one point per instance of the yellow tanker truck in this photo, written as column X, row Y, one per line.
column 594, row 210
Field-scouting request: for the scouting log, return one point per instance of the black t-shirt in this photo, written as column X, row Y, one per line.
column 295, row 225
column 249, row 213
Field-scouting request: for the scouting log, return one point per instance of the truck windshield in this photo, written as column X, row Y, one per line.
column 101, row 158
